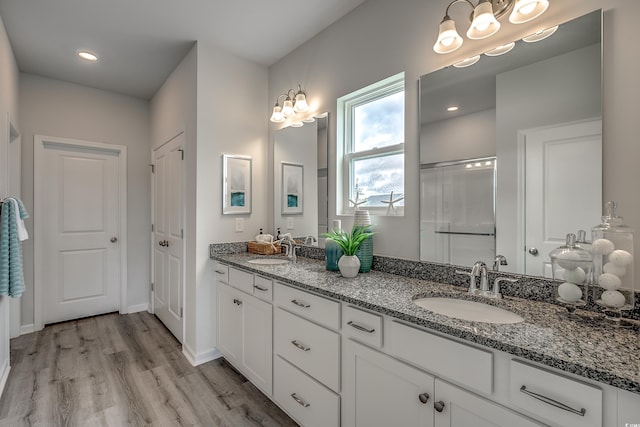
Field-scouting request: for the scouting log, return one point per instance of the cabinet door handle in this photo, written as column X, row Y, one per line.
column 236, row 301
column 300, row 346
column 423, row 397
column 360, row 328
column 552, row 402
column 220, row 271
column 260, row 288
column 439, row 406
column 300, row 303
column 300, row 401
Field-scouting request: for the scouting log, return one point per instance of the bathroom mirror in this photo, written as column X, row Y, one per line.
column 537, row 109
column 300, row 200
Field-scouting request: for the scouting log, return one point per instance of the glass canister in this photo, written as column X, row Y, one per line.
column 612, row 247
column 571, row 265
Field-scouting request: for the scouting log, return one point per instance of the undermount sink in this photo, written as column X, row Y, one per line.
column 268, row 261
column 468, row 310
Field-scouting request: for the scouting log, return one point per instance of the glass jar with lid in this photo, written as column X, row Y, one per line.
column 612, row 247
column 571, row 265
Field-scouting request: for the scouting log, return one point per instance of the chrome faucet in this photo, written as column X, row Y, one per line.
column 310, row 240
column 498, row 261
column 290, row 250
column 480, row 270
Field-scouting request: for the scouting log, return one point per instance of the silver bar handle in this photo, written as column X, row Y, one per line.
column 300, row 303
column 300, row 346
column 552, row 402
column 300, row 401
column 260, row 288
column 360, row 328
column 220, row 271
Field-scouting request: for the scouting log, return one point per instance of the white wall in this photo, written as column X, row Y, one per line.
column 55, row 108
column 9, row 78
column 381, row 38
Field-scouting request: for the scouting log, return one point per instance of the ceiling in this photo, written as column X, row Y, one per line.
column 139, row 42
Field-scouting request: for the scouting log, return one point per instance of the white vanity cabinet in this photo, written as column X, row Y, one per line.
column 307, row 356
column 245, row 327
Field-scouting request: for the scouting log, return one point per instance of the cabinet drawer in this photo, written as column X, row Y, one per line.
column 362, row 326
column 553, row 398
column 222, row 272
column 313, row 307
column 263, row 288
column 241, row 280
column 312, row 348
column 303, row 398
column 466, row 365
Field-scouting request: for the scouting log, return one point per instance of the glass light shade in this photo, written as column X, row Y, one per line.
column 301, row 105
column 484, row 24
column 287, row 108
column 297, row 124
column 540, row 35
column 500, row 50
column 277, row 116
column 448, row 37
column 526, row 10
column 467, row 62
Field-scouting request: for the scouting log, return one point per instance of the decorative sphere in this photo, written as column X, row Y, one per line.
column 570, row 261
column 602, row 247
column 613, row 299
column 569, row 292
column 575, row 276
column 620, row 258
column 609, row 281
column 614, row 269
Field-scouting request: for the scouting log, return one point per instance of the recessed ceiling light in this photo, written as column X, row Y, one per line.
column 452, row 108
column 87, row 56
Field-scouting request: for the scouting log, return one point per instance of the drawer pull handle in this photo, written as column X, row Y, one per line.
column 300, row 303
column 360, row 328
column 260, row 288
column 423, row 397
column 439, row 406
column 300, row 346
column 236, row 301
column 220, row 271
column 300, row 401
column 552, row 402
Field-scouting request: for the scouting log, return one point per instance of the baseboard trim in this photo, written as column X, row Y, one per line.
column 202, row 357
column 138, row 308
column 27, row 329
column 4, row 376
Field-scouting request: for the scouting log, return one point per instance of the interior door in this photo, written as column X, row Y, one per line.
column 568, row 159
column 167, row 235
column 79, row 188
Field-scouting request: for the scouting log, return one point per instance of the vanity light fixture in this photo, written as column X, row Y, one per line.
column 484, row 20
column 295, row 102
column 540, row 35
column 87, row 56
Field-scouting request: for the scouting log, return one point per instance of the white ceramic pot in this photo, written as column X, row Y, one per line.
column 349, row 265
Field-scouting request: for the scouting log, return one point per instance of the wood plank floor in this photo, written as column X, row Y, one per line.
column 121, row 370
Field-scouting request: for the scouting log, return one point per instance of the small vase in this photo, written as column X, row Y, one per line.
column 349, row 265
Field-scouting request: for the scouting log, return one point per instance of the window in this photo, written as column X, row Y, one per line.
column 371, row 148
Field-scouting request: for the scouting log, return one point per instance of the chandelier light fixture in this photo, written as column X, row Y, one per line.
column 295, row 102
column 484, row 20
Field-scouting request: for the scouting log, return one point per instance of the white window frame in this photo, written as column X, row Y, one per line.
column 345, row 155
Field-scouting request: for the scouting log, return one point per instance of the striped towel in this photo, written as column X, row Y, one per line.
column 11, row 269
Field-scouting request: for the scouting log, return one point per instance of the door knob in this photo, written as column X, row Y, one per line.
column 533, row 251
column 166, row 243
column 114, row 239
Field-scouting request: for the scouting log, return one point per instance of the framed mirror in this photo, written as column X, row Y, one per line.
column 300, row 180
column 537, row 109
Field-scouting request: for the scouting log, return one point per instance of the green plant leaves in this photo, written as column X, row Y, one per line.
column 350, row 242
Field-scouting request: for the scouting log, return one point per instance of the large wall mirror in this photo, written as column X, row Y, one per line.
column 518, row 165
column 300, row 180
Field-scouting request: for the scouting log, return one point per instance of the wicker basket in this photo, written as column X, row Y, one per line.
column 263, row 248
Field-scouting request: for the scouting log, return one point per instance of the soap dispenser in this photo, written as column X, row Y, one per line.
column 612, row 247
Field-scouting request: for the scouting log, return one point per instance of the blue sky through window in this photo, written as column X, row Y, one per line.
column 379, row 123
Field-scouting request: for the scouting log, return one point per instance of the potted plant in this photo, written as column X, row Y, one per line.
column 349, row 242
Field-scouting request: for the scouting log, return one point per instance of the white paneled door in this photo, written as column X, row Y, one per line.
column 78, row 208
column 167, row 235
column 563, row 190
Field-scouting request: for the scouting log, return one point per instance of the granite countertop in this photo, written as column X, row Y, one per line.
column 589, row 348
